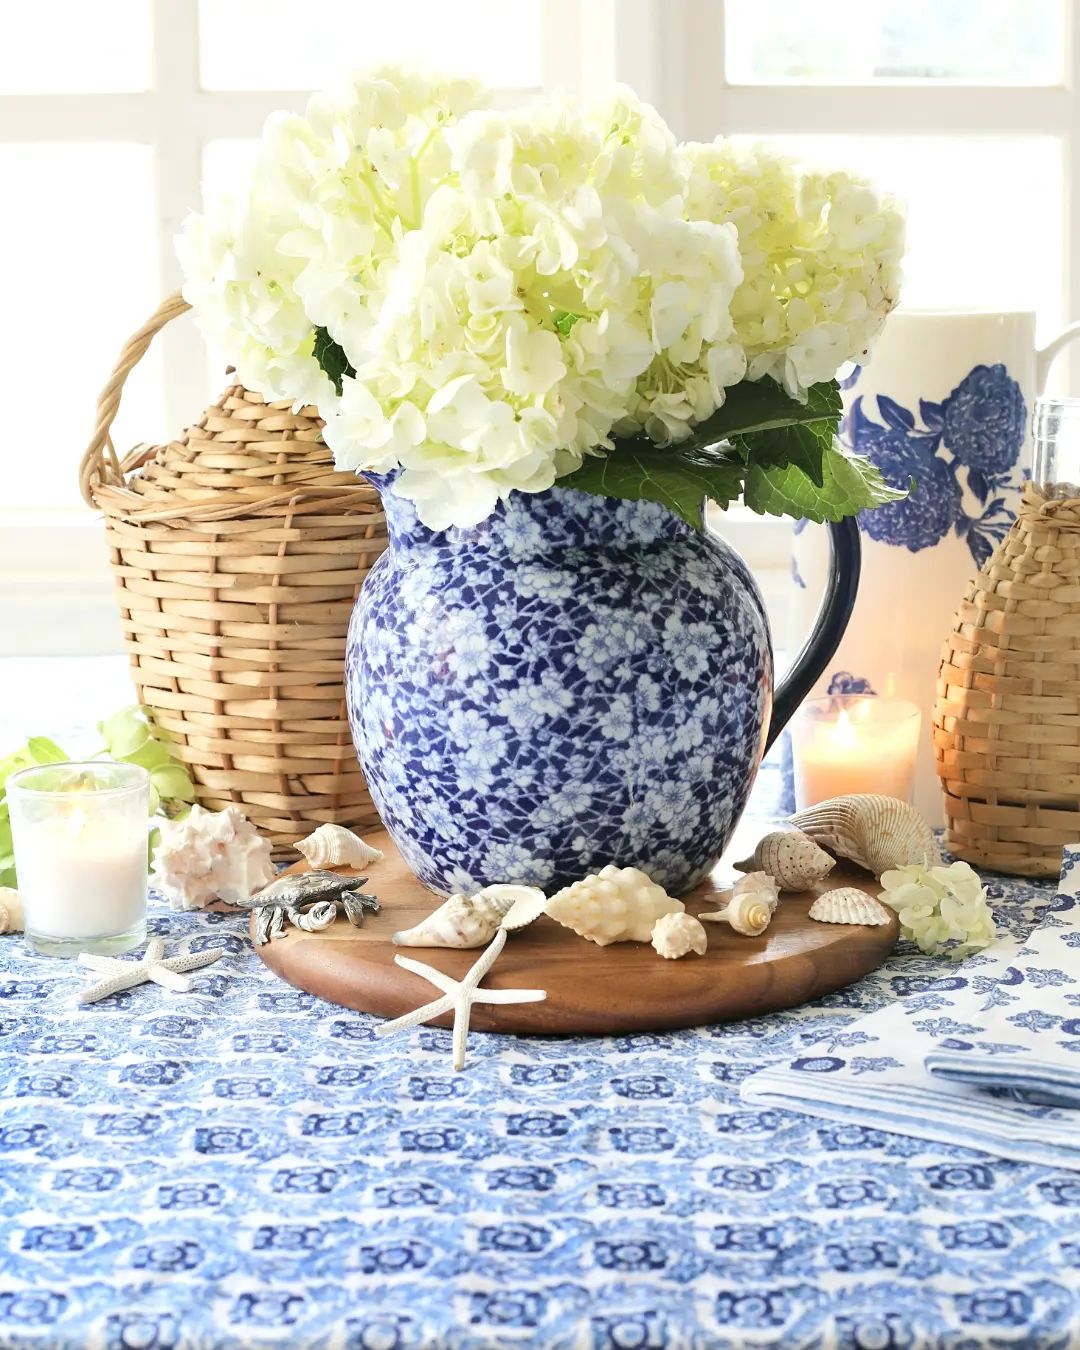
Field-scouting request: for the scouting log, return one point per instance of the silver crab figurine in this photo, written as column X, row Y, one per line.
column 309, row 900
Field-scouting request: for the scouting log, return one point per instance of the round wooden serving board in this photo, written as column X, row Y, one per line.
column 591, row 990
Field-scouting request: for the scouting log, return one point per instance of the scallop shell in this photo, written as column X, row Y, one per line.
column 471, row 920
column 12, row 918
column 749, row 913
column 874, row 831
column 617, row 904
column 335, row 846
column 676, row 935
column 792, row 858
column 848, row 904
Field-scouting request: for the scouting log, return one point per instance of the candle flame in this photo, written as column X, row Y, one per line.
column 845, row 733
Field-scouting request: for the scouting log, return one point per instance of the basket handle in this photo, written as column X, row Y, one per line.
column 100, row 463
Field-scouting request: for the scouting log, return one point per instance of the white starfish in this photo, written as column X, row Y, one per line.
column 459, row 995
column 150, row 966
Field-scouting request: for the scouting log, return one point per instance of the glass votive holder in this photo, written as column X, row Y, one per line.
column 854, row 743
column 80, row 833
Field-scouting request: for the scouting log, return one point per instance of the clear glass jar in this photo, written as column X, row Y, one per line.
column 1055, row 429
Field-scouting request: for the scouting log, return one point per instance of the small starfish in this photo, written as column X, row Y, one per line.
column 122, row 975
column 459, row 995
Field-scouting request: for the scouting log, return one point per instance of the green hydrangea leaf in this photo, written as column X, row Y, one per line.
column 639, row 471
column 172, row 781
column 331, row 357
column 849, row 484
column 755, row 406
column 45, row 751
column 151, row 755
column 8, row 877
column 124, row 732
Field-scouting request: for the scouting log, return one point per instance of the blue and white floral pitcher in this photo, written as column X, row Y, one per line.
column 575, row 681
column 946, row 401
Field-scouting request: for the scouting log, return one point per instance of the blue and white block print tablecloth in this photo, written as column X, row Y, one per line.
column 247, row 1166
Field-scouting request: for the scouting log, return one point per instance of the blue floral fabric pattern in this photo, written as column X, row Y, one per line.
column 963, row 454
column 245, row 1165
column 991, row 1051
column 576, row 680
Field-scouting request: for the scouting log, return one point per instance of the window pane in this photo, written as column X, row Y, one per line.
column 306, row 44
column 75, row 47
column 841, row 42
column 985, row 214
column 227, row 165
column 85, row 279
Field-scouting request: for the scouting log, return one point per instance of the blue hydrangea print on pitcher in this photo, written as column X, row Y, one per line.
column 962, row 453
column 576, row 681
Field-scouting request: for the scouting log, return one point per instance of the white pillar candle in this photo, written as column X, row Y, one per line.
column 80, row 834
column 855, row 743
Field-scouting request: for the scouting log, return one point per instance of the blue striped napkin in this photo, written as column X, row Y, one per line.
column 987, row 1057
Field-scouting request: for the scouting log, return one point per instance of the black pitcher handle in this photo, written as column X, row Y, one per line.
column 845, row 555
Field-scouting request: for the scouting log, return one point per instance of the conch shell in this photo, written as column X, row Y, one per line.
column 748, row 912
column 676, row 935
column 617, row 904
column 792, row 858
column 848, row 904
column 874, row 831
column 471, row 920
column 12, row 917
column 335, row 846
column 210, row 855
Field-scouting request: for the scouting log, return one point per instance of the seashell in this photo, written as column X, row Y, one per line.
column 848, row 904
column 749, row 913
column 472, row 920
column 617, row 904
column 760, row 884
column 335, row 846
column 676, row 935
column 210, row 855
column 791, row 857
column 874, row 831
column 12, row 917
column 528, row 905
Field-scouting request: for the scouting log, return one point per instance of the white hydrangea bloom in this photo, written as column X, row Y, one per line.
column 510, row 289
column 940, row 908
column 821, row 259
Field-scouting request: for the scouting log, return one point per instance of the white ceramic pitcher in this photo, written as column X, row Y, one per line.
column 946, row 400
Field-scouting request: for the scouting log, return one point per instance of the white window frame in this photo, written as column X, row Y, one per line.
column 55, row 591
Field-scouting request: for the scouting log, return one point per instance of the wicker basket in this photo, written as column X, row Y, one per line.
column 238, row 551
column 1007, row 717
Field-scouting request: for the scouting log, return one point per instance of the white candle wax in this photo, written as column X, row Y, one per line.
column 848, row 745
column 80, row 882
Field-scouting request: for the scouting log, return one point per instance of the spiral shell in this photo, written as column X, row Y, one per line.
column 791, row 857
column 847, row 904
column 749, row 913
column 876, row 832
column 12, row 918
column 471, row 920
column 618, row 904
column 760, row 884
column 676, row 935
column 335, row 846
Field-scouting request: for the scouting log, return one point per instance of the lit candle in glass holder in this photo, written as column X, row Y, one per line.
column 854, row 743
column 80, row 834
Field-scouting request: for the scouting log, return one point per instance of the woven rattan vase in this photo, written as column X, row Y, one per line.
column 1007, row 716
column 238, row 552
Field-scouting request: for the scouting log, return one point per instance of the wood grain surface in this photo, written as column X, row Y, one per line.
column 591, row 990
